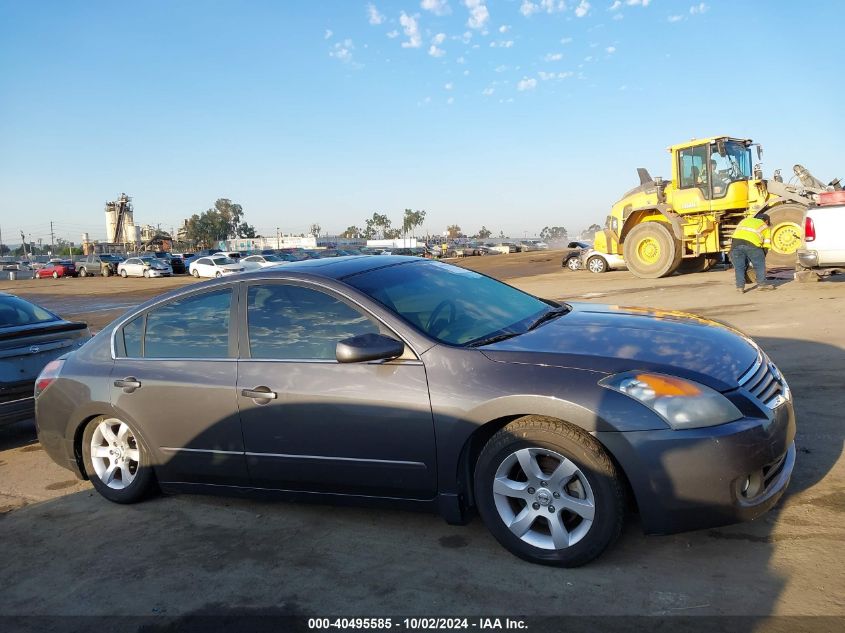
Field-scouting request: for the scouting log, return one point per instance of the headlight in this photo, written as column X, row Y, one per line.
column 683, row 404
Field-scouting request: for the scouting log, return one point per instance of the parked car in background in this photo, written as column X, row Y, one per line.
column 56, row 269
column 823, row 245
column 30, row 337
column 215, row 266
column 147, row 266
column 186, row 258
column 391, row 380
column 104, row 264
column 177, row 266
column 256, row 262
column 597, row 262
column 572, row 255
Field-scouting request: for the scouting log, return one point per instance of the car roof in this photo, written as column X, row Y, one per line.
column 345, row 266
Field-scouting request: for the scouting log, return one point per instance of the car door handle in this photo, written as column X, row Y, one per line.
column 259, row 393
column 129, row 384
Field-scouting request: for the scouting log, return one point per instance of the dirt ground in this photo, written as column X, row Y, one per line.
column 183, row 555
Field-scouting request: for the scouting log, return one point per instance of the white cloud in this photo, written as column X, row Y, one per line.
column 375, row 17
column 526, row 84
column 618, row 16
column 448, row 86
column 450, row 100
column 675, row 18
column 610, row 50
column 437, row 7
column 488, row 91
column 641, row 3
column 504, row 28
column 698, row 8
column 529, row 8
column 501, row 69
column 461, row 60
column 328, row 34
column 466, row 73
column 412, row 31
column 566, row 40
column 439, row 38
column 342, row 51
column 434, row 51
column 589, row 58
column 478, row 13
column 393, row 34
column 553, row 57
column 582, row 9
column 549, row 76
column 615, row 5
column 502, row 44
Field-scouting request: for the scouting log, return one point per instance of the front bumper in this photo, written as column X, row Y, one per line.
column 693, row 479
column 158, row 273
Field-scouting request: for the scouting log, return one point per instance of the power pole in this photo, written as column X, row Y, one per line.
column 23, row 245
column 52, row 239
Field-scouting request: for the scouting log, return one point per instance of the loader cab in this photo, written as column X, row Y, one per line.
column 704, row 170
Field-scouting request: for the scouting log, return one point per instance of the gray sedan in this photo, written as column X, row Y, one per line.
column 397, row 380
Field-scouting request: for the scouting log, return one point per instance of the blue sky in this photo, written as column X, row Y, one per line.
column 514, row 114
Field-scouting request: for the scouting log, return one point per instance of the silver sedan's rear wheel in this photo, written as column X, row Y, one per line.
column 116, row 460
column 549, row 492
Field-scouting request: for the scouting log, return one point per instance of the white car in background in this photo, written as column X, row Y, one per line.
column 597, row 262
column 256, row 262
column 144, row 267
column 215, row 266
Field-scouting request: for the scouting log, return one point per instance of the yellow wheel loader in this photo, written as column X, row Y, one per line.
column 685, row 224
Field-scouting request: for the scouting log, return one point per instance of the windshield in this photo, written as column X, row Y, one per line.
column 272, row 258
column 109, row 258
column 15, row 311
column 451, row 304
column 222, row 261
column 734, row 165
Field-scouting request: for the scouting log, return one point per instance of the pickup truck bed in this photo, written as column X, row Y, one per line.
column 822, row 251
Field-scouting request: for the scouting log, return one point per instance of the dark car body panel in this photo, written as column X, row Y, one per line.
column 405, row 429
column 24, row 351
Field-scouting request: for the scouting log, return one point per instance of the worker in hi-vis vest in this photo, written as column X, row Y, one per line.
column 751, row 239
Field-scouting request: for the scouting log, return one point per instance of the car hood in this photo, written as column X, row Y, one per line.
column 611, row 339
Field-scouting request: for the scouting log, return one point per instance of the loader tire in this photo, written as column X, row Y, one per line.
column 787, row 221
column 651, row 251
column 695, row 265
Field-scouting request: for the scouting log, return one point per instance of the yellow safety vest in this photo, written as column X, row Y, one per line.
column 754, row 231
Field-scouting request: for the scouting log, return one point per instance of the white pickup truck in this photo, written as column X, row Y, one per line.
column 822, row 251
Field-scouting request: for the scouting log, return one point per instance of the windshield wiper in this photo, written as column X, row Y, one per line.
column 492, row 339
column 548, row 316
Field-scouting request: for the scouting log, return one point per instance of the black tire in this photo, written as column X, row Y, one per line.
column 144, row 482
column 83, row 272
column 593, row 463
column 787, row 225
column 147, row 274
column 196, row 273
column 658, row 237
column 694, row 265
column 597, row 264
column 218, row 274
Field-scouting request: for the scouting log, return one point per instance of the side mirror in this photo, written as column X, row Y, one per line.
column 759, row 152
column 365, row 347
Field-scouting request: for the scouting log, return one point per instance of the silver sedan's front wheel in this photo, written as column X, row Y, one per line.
column 543, row 498
column 549, row 492
column 116, row 460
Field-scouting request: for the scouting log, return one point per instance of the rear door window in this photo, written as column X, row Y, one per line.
column 193, row 327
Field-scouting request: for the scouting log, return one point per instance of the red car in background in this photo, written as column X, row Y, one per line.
column 56, row 270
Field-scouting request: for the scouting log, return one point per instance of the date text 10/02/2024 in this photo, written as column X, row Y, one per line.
column 415, row 624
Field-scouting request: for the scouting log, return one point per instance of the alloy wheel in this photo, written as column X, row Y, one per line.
column 543, row 498
column 115, row 453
